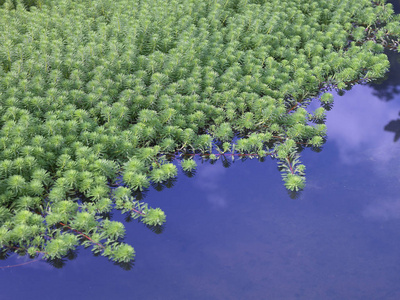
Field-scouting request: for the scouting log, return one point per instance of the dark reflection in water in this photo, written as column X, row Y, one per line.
column 394, row 126
column 396, row 5
column 388, row 89
column 235, row 234
column 389, row 86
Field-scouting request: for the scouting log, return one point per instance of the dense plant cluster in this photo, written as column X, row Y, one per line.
column 92, row 91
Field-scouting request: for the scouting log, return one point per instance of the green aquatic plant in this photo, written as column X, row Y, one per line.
column 98, row 98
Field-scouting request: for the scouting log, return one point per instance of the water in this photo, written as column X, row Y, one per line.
column 236, row 234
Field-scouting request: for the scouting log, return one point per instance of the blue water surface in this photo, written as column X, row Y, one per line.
column 234, row 233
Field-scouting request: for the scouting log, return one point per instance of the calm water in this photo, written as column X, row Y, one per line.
column 236, row 234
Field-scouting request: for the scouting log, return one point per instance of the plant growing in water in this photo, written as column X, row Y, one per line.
column 96, row 91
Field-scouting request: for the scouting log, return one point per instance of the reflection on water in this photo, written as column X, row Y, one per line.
column 388, row 87
column 353, row 122
column 209, row 181
column 383, row 209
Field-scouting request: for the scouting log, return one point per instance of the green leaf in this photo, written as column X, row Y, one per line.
column 154, row 217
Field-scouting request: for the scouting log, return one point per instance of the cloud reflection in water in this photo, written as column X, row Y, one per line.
column 209, row 180
column 383, row 210
column 352, row 126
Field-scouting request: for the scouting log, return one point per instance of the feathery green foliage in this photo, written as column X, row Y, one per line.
column 96, row 90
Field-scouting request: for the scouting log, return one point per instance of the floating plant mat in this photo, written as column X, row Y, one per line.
column 97, row 91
